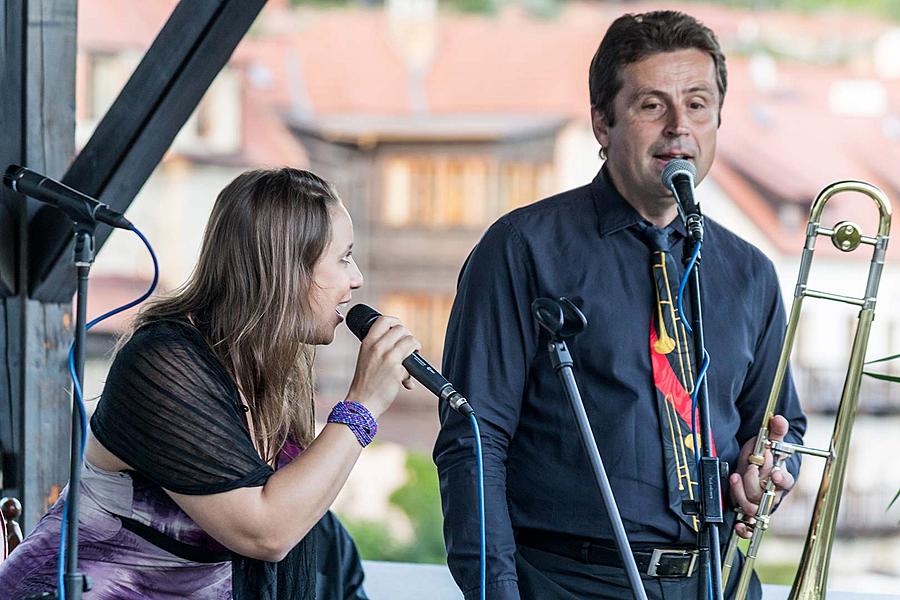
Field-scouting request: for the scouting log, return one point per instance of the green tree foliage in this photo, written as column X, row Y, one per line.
column 885, row 8
column 419, row 499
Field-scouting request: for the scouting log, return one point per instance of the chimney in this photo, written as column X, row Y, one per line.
column 413, row 30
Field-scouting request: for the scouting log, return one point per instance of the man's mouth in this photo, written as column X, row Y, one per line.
column 667, row 156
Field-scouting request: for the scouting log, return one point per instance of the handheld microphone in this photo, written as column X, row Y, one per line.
column 81, row 208
column 678, row 175
column 360, row 319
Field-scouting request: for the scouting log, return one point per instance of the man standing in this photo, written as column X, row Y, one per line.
column 657, row 84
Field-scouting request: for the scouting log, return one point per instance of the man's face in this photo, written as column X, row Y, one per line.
column 667, row 108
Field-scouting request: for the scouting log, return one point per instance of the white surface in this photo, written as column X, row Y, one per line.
column 405, row 581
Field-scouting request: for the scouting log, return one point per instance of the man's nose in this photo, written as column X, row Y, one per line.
column 677, row 122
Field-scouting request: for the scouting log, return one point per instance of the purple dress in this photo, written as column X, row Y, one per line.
column 169, row 411
column 122, row 565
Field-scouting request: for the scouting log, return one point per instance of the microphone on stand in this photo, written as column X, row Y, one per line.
column 360, row 319
column 81, row 208
column 678, row 175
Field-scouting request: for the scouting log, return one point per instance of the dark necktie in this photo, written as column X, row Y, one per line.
column 674, row 371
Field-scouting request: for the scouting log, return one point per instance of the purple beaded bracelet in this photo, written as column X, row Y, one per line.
column 358, row 418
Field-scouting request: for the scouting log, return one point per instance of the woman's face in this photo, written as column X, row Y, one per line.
column 335, row 277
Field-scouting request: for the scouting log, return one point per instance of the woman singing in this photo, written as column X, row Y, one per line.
column 202, row 475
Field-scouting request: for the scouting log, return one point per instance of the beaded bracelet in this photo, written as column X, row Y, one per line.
column 358, row 418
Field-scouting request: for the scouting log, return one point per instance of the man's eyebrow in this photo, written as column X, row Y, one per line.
column 700, row 87
column 647, row 91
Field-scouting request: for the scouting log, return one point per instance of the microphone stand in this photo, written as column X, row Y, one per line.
column 712, row 470
column 552, row 316
column 85, row 212
column 75, row 583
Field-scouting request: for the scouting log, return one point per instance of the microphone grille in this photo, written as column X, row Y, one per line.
column 360, row 319
column 675, row 167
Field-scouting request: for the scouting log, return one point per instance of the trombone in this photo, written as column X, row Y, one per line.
column 812, row 572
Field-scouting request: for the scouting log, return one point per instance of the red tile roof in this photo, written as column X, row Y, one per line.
column 775, row 148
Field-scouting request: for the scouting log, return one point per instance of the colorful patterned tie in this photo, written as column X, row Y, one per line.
column 671, row 353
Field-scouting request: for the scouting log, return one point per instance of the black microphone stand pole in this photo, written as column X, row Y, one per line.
column 551, row 315
column 75, row 582
column 711, row 468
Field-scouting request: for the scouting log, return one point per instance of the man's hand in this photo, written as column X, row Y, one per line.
column 749, row 481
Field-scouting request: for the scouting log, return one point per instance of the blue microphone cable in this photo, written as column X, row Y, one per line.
column 705, row 366
column 479, row 459
column 82, row 413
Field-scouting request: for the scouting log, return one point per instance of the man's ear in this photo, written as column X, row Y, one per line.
column 600, row 126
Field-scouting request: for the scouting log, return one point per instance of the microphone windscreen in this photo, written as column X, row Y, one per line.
column 676, row 166
column 360, row 319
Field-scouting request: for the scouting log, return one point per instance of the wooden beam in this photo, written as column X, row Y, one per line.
column 12, row 22
column 190, row 50
column 38, row 124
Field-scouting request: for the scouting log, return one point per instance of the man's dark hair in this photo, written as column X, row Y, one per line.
column 633, row 37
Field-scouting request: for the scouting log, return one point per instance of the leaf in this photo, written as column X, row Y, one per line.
column 883, row 377
column 885, row 359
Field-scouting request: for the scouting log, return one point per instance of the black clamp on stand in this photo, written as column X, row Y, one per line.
column 712, row 470
column 562, row 319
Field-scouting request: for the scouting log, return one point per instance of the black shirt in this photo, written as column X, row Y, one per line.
column 170, row 410
column 584, row 244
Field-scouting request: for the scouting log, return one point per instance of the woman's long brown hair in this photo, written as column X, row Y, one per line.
column 250, row 295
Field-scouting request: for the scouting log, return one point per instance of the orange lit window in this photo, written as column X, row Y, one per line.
column 426, row 315
column 435, row 191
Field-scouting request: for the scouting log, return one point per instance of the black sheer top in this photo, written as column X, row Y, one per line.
column 172, row 412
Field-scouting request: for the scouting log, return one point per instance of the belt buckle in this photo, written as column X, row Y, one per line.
column 672, row 563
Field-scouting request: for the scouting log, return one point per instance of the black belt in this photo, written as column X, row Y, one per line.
column 653, row 560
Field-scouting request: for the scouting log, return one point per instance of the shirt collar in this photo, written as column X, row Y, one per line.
column 614, row 213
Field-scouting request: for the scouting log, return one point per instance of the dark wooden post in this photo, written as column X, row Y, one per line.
column 37, row 121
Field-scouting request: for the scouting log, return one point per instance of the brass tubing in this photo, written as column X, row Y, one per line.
column 812, row 573
column 836, row 297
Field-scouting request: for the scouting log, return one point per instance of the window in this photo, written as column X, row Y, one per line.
column 442, row 191
column 425, row 315
column 435, row 191
column 214, row 127
column 522, row 183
